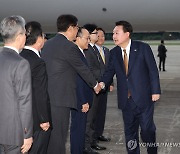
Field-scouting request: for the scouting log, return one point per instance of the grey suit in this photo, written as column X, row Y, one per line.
column 15, row 98
column 63, row 63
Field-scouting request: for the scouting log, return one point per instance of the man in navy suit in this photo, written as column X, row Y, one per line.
column 138, row 87
column 84, row 99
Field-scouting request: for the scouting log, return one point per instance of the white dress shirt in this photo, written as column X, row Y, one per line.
column 32, row 49
column 127, row 50
column 12, row 48
column 98, row 47
column 82, row 51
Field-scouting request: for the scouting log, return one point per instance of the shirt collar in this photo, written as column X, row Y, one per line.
column 63, row 35
column 12, row 48
column 32, row 49
column 81, row 51
column 97, row 46
column 128, row 46
column 91, row 44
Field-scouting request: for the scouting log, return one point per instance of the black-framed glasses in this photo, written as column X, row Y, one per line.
column 75, row 26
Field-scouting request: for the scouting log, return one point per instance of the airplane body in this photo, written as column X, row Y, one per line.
column 144, row 15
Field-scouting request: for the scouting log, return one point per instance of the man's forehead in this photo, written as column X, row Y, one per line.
column 117, row 28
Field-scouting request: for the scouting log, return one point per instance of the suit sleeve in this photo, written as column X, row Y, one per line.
column 89, row 59
column 73, row 58
column 110, row 70
column 23, row 90
column 153, row 71
column 40, row 91
column 81, row 91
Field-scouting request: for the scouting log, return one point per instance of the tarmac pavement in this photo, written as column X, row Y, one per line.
column 166, row 116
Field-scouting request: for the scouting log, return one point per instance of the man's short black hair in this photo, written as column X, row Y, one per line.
column 99, row 28
column 162, row 41
column 65, row 21
column 127, row 27
column 90, row 27
column 33, row 31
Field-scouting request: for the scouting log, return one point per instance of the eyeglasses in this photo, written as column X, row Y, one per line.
column 43, row 35
column 76, row 27
column 88, row 38
column 94, row 33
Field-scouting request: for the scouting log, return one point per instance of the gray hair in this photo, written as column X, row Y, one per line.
column 11, row 26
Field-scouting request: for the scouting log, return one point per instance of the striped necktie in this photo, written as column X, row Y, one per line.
column 102, row 54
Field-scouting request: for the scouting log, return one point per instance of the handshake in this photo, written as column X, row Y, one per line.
column 99, row 87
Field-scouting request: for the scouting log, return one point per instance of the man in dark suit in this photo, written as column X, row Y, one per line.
column 138, row 87
column 84, row 100
column 102, row 104
column 94, row 62
column 15, row 85
column 40, row 99
column 162, row 55
column 63, row 63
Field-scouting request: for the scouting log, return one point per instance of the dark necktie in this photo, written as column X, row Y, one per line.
column 125, row 61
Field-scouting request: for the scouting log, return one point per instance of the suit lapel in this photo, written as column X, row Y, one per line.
column 132, row 56
column 96, row 52
column 105, row 55
column 119, row 57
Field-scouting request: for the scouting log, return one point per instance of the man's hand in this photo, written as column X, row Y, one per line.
column 102, row 85
column 111, row 88
column 27, row 145
column 85, row 107
column 155, row 97
column 97, row 88
column 45, row 126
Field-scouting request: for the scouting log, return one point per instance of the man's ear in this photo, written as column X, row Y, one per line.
column 70, row 28
column 40, row 42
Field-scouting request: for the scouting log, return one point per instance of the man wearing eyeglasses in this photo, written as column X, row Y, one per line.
column 63, row 64
column 93, row 60
column 84, row 99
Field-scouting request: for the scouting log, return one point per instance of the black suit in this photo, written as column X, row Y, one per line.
column 97, row 67
column 102, row 105
column 162, row 56
column 63, row 63
column 93, row 59
column 40, row 101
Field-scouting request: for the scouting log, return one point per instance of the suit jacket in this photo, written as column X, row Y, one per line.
column 103, row 66
column 93, row 59
column 84, row 92
column 15, row 98
column 142, row 79
column 40, row 98
column 63, row 63
column 162, row 51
